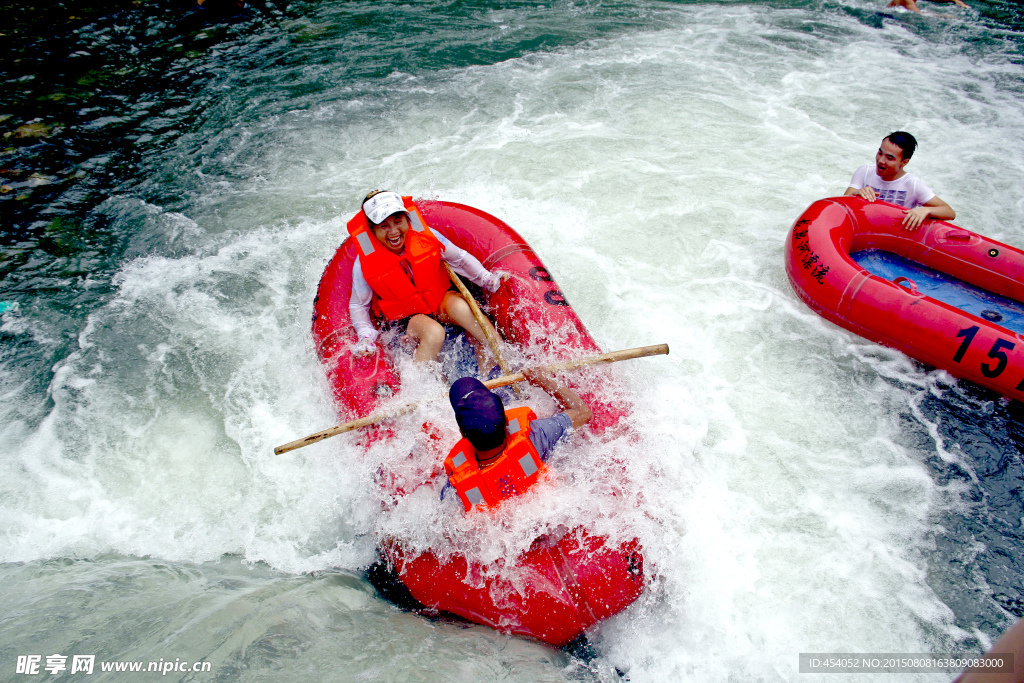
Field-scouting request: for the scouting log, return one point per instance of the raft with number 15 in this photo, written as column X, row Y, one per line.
column 568, row 580
column 941, row 294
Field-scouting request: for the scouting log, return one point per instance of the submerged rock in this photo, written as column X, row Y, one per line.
column 31, row 132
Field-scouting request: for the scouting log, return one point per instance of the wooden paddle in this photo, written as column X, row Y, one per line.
column 611, row 357
column 481, row 320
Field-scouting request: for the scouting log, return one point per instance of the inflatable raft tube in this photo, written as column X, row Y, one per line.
column 564, row 583
column 941, row 294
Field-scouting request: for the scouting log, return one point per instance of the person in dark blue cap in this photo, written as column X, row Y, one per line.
column 502, row 452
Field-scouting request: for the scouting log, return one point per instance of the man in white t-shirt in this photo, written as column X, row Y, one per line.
column 887, row 180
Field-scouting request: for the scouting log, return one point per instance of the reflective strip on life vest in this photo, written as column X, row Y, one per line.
column 513, row 425
column 414, row 220
column 365, row 245
column 529, row 467
column 474, row 496
column 459, row 460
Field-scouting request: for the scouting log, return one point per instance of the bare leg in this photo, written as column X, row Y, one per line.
column 454, row 309
column 429, row 336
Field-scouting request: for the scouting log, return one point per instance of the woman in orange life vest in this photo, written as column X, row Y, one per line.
column 412, row 289
column 502, row 452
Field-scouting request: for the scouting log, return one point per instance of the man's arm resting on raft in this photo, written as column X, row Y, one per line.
column 867, row 192
column 933, row 208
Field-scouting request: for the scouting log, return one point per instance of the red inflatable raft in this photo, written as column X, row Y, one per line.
column 563, row 583
column 941, row 294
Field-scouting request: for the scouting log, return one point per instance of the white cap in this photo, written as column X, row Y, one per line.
column 381, row 205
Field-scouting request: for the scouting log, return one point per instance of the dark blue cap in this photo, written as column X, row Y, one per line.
column 479, row 412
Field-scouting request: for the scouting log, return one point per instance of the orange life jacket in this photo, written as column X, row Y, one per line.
column 517, row 468
column 396, row 295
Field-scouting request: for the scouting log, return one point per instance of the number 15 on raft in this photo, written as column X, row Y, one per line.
column 996, row 353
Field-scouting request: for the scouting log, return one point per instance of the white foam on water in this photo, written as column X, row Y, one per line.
column 656, row 174
column 158, row 440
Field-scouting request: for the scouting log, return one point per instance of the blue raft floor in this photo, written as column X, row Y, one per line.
column 1000, row 310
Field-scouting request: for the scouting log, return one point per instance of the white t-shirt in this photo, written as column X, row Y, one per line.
column 909, row 191
column 461, row 261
